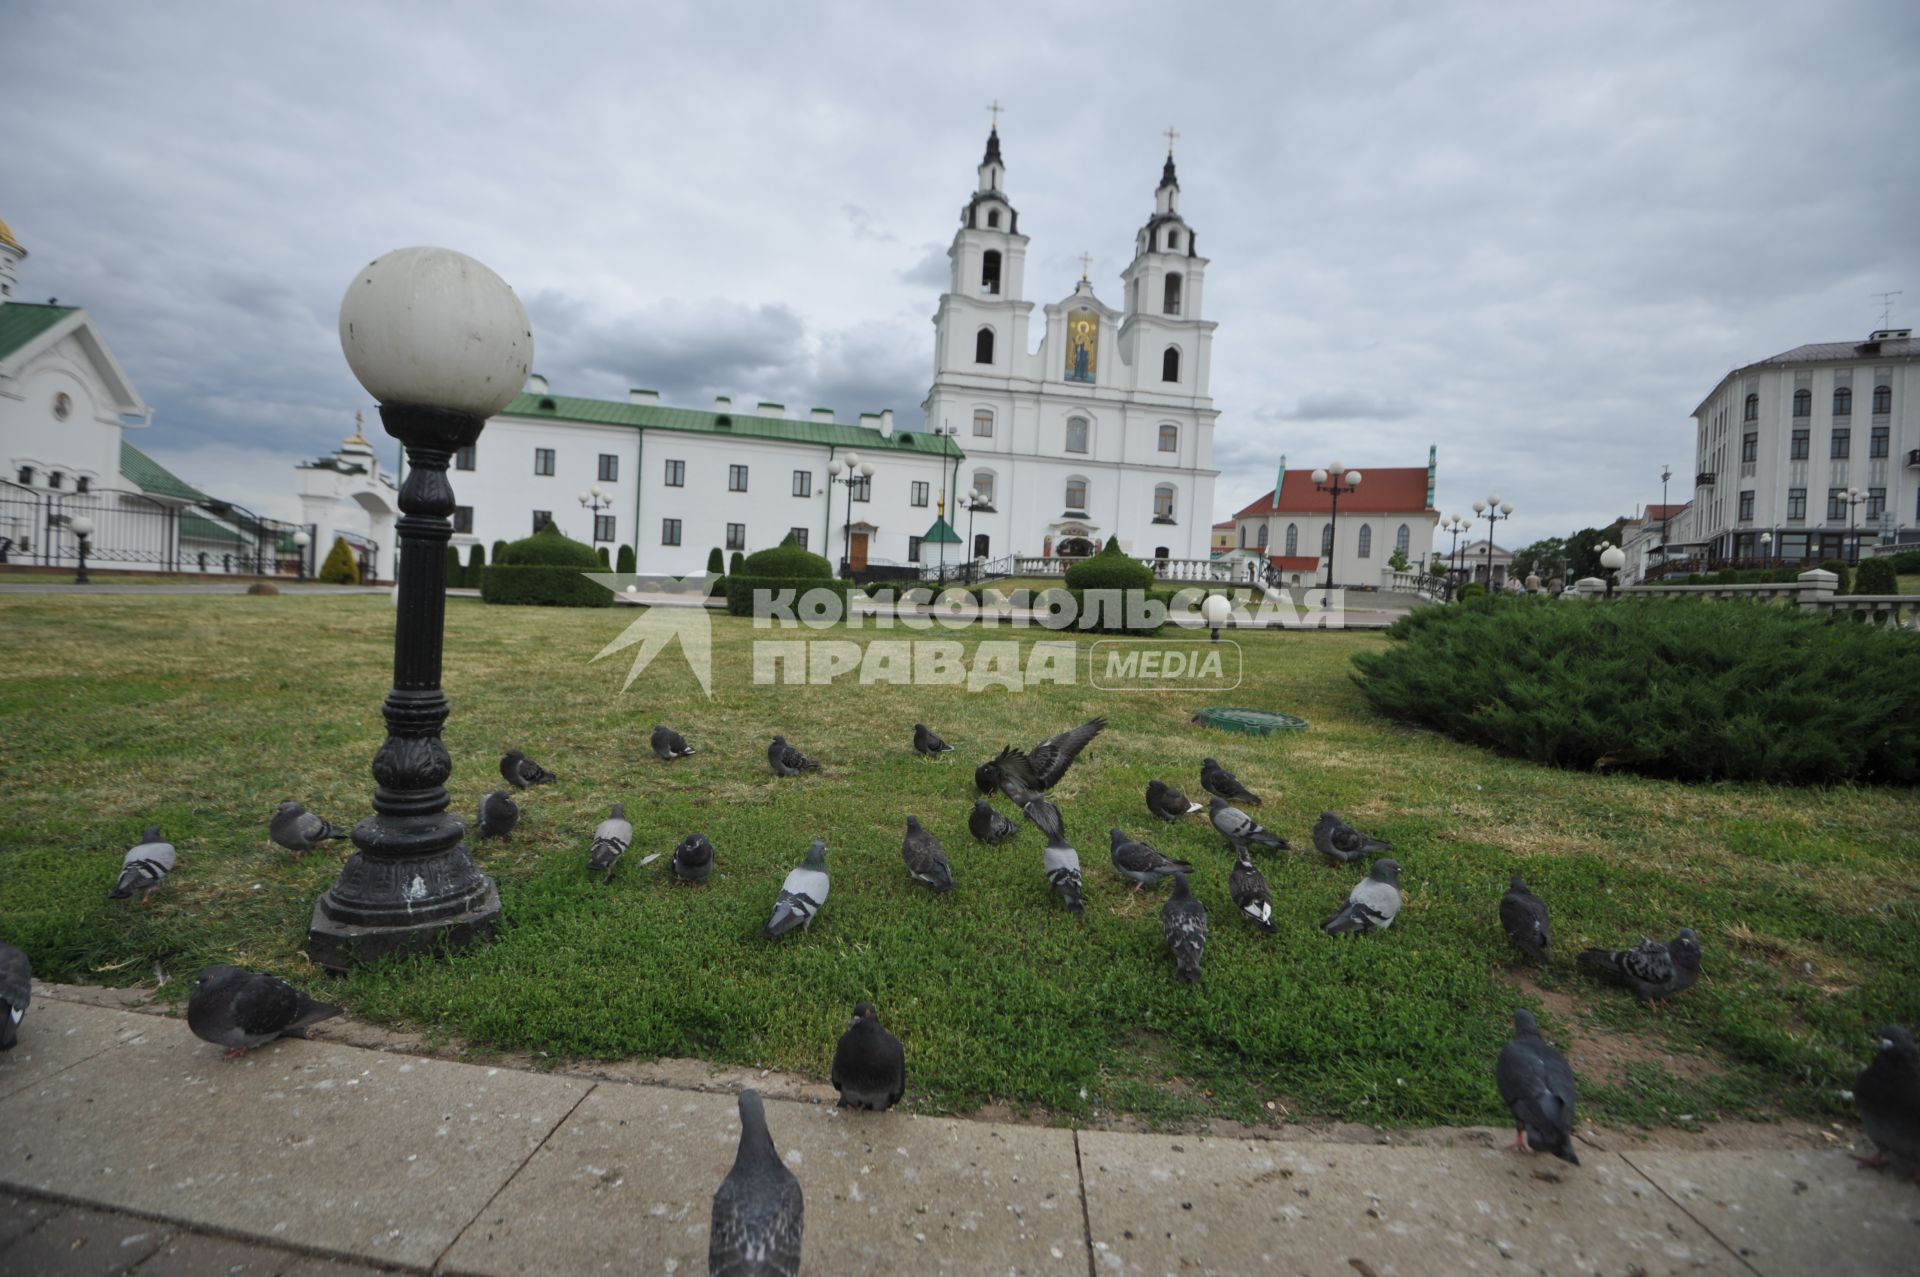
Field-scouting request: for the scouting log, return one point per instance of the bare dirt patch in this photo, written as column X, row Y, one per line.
column 1601, row 1055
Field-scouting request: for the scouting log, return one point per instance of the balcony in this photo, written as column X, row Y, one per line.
column 1913, row 459
column 1704, row 479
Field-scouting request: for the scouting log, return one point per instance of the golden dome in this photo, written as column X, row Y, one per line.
column 7, row 239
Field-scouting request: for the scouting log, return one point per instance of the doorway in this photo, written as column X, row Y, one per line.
column 980, row 546
column 1074, row 548
column 857, row 552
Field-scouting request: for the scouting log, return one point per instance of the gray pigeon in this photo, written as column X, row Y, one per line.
column 692, row 861
column 16, row 992
column 988, row 825
column 498, row 815
column 869, row 1065
column 1537, row 1084
column 1164, row 802
column 1044, row 815
column 1887, row 1093
column 521, row 771
column 1371, row 905
column 1183, row 921
column 669, row 744
column 144, row 867
column 1138, row 861
column 926, row 744
column 1524, row 915
column 1248, row 887
column 788, row 761
column 759, row 1214
column 613, row 836
column 1241, row 830
column 1220, row 782
column 1062, row 865
column 299, row 830
column 244, row 1009
column 1342, row 843
column 1654, row 971
column 802, row 895
column 1043, row 767
column 926, row 860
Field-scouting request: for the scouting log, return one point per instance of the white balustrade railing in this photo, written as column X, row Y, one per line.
column 1812, row 592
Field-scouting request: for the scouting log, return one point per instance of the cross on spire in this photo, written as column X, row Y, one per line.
column 994, row 108
column 1086, row 264
column 1171, row 135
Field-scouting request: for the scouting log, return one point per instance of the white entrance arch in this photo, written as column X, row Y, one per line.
column 351, row 473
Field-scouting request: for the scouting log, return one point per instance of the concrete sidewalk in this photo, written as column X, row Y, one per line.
column 133, row 1147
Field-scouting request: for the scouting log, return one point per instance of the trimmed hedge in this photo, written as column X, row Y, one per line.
column 1875, row 576
column 623, row 562
column 545, row 569
column 740, row 589
column 476, row 565
column 1905, row 563
column 786, row 559
column 456, row 575
column 1840, row 569
column 1111, row 569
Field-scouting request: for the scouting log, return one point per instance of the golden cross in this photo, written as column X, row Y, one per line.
column 1171, row 135
column 996, row 108
column 1086, row 264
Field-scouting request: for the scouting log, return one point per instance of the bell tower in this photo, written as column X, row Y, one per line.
column 1169, row 343
column 981, row 327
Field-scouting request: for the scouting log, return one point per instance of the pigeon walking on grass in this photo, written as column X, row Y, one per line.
column 1537, row 1085
column 869, row 1065
column 610, row 841
column 499, row 814
column 802, row 895
column 669, row 744
column 521, row 771
column 1164, row 802
column 926, row 744
column 299, row 830
column 1371, row 905
column 759, row 1214
column 244, row 1009
column 1887, row 1093
column 1220, row 782
column 1241, row 830
column 989, row 826
column 788, row 761
column 1652, row 970
column 1062, row 866
column 1524, row 916
column 1138, row 861
column 1040, row 769
column 16, row 992
column 926, row 859
column 1248, row 887
column 145, row 866
column 1044, row 815
column 1183, row 921
column 1342, row 843
column 692, row 861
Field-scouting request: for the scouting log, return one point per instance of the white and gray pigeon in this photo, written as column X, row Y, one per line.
column 1537, row 1084
column 869, row 1064
column 1221, row 783
column 1652, row 970
column 692, row 861
column 521, row 771
column 299, row 830
column 1248, row 887
column 1887, row 1094
column 1342, row 843
column 1062, row 866
column 1164, row 802
column 989, row 826
column 788, row 761
column 1042, row 767
column 669, row 744
column 1241, row 830
column 1371, row 905
column 928, row 745
column 759, row 1213
column 244, row 1009
column 145, row 866
column 16, row 993
column 498, row 815
column 802, row 895
column 1523, row 916
column 1183, row 921
column 610, row 841
column 1140, row 862
column 926, row 859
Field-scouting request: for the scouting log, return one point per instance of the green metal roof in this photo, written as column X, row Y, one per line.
column 745, row 425
column 198, row 527
column 149, row 475
column 21, row 322
column 941, row 533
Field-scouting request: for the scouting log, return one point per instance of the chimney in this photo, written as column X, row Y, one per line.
column 886, row 423
column 537, row 385
column 765, row 409
column 641, row 396
column 723, row 403
column 822, row 414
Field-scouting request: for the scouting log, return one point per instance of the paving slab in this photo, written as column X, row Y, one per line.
column 348, row 1152
column 1192, row 1205
column 626, row 1185
column 21, row 1215
column 55, row 1036
column 78, row 1242
column 199, row 1255
column 1795, row 1211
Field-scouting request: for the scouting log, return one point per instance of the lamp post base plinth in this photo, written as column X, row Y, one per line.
column 410, row 888
column 340, row 946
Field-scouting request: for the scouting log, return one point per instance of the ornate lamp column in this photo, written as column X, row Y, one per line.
column 1334, row 479
column 443, row 344
column 82, row 528
column 301, row 540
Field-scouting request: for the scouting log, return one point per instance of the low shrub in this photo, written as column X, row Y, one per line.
column 741, row 588
column 1688, row 689
column 545, row 569
column 606, row 560
column 476, row 565
column 736, row 564
column 1905, row 563
column 1471, row 590
column 456, row 575
column 1839, row 568
column 1876, row 576
column 785, row 559
column 1111, row 569
column 341, row 568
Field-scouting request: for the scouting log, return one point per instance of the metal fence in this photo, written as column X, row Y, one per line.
column 133, row 531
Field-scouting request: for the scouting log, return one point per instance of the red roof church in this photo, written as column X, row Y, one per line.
column 1390, row 509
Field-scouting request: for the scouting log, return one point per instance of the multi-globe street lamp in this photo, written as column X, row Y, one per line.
column 443, row 344
column 1456, row 525
column 1335, row 479
column 973, row 503
column 301, row 540
column 1854, row 498
column 1766, row 546
column 82, row 528
column 1612, row 558
column 595, row 500
column 857, row 472
column 1494, row 512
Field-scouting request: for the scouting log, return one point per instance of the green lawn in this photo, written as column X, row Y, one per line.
column 200, row 713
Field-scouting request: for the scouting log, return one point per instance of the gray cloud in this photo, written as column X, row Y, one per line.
column 1350, row 405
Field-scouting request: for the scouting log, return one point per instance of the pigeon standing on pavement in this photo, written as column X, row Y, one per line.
column 1220, row 782
column 926, row 859
column 692, row 861
column 669, row 744
column 802, row 895
column 1164, row 802
column 988, row 825
column 1062, row 866
column 610, row 840
column 926, row 744
column 1138, row 861
column 1040, row 769
column 869, row 1065
column 521, row 771
column 299, row 830
column 1241, row 830
column 498, row 815
column 1248, row 887
column 16, row 992
column 244, row 1009
column 1371, row 905
column 1537, row 1084
column 1887, row 1093
column 145, row 866
column 1342, row 843
column 1524, row 915
column 1183, row 921
column 759, row 1214
column 1653, row 970
column 788, row 761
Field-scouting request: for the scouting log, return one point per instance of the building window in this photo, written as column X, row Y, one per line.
column 1883, row 398
column 993, row 219
column 1263, row 538
column 983, row 346
column 1876, row 502
column 1169, row 438
column 55, row 479
column 83, row 484
column 1746, row 505
column 1403, row 539
column 1163, row 502
column 983, row 484
column 603, row 528
column 1803, row 403
column 1243, row 536
column 799, row 536
column 862, row 489
column 1841, row 446
column 1173, row 239
column 1366, row 540
column 1076, row 434
column 26, row 476
column 803, row 483
column 463, row 458
column 669, row 532
column 913, row 549
column 982, row 424
column 1170, row 364
column 1076, row 494
column 1293, row 539
column 676, row 474
column 542, row 520
column 919, row 493
column 463, row 519
column 609, row 470
column 1836, row 504
column 1796, row 503
column 1171, row 304
column 1799, row 448
column 990, row 272
column 1843, row 401
column 736, row 536
column 1750, row 447
column 1326, row 539
column 543, row 460
column 1752, row 409
column 1877, row 442
column 736, row 478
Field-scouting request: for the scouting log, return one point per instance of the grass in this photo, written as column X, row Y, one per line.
column 200, row 713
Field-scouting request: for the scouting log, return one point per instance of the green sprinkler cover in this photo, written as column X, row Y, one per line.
column 1249, row 722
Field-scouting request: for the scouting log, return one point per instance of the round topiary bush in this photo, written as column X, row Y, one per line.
column 623, row 562
column 1111, row 569
column 546, row 569
column 786, row 560
column 1876, row 576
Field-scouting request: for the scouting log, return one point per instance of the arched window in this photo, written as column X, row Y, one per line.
column 983, row 484
column 982, row 423
column 1169, row 438
column 1076, row 434
column 1163, row 502
column 1076, row 493
column 1403, row 539
column 1243, row 536
column 990, row 269
column 1263, row 538
column 1753, row 408
column 1326, row 538
column 983, row 346
column 1366, row 540
column 993, row 219
column 1173, row 239
column 1170, row 364
column 1172, row 303
column 1883, row 398
column 1843, row 401
column 1803, row 403
column 1293, row 538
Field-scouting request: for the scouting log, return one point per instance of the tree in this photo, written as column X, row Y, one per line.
column 715, row 563
column 1398, row 560
column 1546, row 557
column 341, row 568
column 624, row 561
column 1583, row 549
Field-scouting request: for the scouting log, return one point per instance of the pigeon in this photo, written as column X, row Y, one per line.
column 926, row 744
column 926, row 861
column 1248, row 887
column 869, row 1065
column 521, row 771
column 244, row 1009
column 1342, row 843
column 669, row 744
column 1240, row 829
column 145, row 866
column 1044, row 815
column 1524, row 915
column 1653, row 970
column 1887, row 1093
column 1220, row 782
column 1183, row 921
column 1537, row 1084
column 299, row 830
column 1372, row 903
column 692, row 861
column 1062, row 864
column 1164, row 802
column 16, row 992
column 788, row 761
column 613, row 836
column 1043, row 767
column 1140, row 862
column 498, row 815
column 759, row 1214
column 802, row 895
column 988, row 825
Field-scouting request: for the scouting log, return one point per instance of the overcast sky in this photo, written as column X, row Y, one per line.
column 1534, row 234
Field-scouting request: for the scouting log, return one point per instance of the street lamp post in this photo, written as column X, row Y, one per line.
column 1666, row 473
column 1456, row 525
column 1335, row 479
column 972, row 503
column 1854, row 498
column 1612, row 558
column 442, row 343
column 856, row 470
column 301, row 540
column 1766, row 546
column 82, row 528
column 1495, row 512
column 595, row 500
